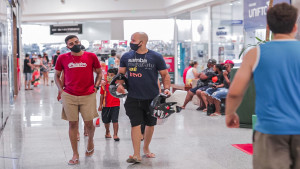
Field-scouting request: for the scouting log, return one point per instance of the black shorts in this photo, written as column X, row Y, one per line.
column 203, row 88
column 110, row 114
column 138, row 112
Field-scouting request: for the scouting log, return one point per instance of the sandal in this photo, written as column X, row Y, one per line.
column 87, row 152
column 133, row 160
column 73, row 162
column 204, row 110
column 150, row 155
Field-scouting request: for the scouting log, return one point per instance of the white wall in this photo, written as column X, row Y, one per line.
column 117, row 29
column 41, row 33
column 160, row 29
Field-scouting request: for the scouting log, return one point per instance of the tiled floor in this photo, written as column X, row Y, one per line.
column 36, row 138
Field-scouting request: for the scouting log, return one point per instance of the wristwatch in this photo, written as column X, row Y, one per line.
column 97, row 87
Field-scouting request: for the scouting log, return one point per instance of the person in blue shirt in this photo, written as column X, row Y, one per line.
column 142, row 66
column 111, row 59
column 275, row 68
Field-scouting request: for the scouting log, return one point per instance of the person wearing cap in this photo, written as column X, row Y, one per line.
column 274, row 68
column 203, row 81
column 215, row 94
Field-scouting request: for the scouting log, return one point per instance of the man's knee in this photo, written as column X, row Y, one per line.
column 89, row 124
column 73, row 124
column 198, row 92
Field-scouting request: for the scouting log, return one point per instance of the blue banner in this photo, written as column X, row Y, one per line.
column 255, row 12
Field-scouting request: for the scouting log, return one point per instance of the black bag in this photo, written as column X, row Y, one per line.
column 210, row 109
column 200, row 83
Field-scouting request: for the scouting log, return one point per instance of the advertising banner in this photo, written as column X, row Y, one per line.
column 255, row 12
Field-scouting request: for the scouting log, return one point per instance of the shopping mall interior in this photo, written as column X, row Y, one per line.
column 32, row 133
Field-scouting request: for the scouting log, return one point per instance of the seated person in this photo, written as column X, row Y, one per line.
column 219, row 73
column 185, row 71
column 215, row 94
column 202, row 84
column 192, row 73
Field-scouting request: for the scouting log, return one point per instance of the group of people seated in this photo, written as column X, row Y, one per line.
column 212, row 85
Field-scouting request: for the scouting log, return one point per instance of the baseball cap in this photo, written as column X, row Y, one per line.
column 228, row 61
column 212, row 61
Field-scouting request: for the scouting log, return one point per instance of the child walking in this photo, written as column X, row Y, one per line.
column 110, row 106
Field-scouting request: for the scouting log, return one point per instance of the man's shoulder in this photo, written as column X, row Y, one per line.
column 127, row 55
column 153, row 53
column 63, row 55
column 89, row 54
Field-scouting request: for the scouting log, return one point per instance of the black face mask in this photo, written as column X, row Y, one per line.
column 134, row 47
column 76, row 48
column 58, row 53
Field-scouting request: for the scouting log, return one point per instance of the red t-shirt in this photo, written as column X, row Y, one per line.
column 185, row 72
column 78, row 72
column 109, row 100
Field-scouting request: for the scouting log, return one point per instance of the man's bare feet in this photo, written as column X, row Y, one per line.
column 107, row 135
column 215, row 114
column 74, row 160
column 90, row 150
column 78, row 136
column 116, row 138
column 148, row 153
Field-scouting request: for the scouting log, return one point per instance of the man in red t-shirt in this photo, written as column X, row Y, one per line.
column 185, row 71
column 78, row 91
column 110, row 106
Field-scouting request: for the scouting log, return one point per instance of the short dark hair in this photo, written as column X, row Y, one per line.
column 113, row 70
column 193, row 63
column 282, row 18
column 70, row 37
column 220, row 67
column 26, row 55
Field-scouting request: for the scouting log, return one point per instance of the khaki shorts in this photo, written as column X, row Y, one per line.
column 72, row 105
column 276, row 151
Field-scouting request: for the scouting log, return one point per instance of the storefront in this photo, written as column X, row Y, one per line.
column 214, row 32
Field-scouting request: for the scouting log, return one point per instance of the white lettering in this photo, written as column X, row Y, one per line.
column 75, row 65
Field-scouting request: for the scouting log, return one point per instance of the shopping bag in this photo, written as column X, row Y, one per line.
column 96, row 121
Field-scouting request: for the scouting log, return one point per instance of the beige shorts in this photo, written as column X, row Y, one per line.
column 276, row 151
column 72, row 105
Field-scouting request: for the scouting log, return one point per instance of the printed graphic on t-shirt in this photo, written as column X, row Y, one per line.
column 135, row 64
column 75, row 65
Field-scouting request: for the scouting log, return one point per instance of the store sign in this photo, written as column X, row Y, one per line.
column 222, row 31
column 170, row 63
column 255, row 12
column 231, row 22
column 65, row 29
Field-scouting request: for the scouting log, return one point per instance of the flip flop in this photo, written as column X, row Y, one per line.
column 73, row 162
column 215, row 114
column 89, row 151
column 117, row 139
column 107, row 136
column 133, row 160
column 150, row 155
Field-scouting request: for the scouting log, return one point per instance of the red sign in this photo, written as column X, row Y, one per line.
column 170, row 63
column 123, row 42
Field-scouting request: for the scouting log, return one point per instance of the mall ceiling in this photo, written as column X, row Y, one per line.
column 35, row 11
